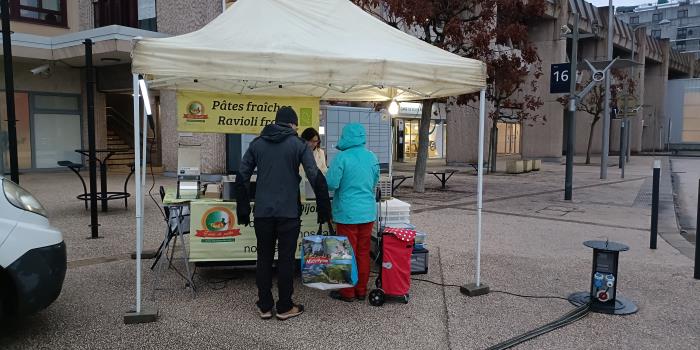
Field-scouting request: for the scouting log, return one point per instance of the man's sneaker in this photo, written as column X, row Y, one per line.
column 296, row 310
column 265, row 315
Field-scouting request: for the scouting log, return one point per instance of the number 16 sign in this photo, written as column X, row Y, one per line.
column 559, row 78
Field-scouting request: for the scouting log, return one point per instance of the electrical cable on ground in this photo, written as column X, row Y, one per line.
column 491, row 291
column 214, row 283
column 571, row 317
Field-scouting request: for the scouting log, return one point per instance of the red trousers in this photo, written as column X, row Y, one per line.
column 359, row 237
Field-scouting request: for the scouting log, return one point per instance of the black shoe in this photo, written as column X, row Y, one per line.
column 337, row 296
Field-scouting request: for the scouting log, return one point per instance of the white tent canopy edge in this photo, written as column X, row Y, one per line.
column 374, row 63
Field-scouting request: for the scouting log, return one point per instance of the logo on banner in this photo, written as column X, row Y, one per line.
column 195, row 113
column 218, row 222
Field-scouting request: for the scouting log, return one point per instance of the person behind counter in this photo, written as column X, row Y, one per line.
column 277, row 154
column 313, row 139
column 353, row 175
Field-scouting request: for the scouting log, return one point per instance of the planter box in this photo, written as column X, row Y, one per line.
column 515, row 166
column 536, row 164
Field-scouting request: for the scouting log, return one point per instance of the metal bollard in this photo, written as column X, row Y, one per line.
column 621, row 158
column 655, row 205
column 696, row 274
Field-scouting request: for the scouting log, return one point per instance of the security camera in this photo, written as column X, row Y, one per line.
column 44, row 68
column 565, row 30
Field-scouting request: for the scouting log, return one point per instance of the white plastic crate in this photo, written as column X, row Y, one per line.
column 384, row 185
column 394, row 212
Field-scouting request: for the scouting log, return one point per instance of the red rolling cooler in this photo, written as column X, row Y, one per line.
column 394, row 280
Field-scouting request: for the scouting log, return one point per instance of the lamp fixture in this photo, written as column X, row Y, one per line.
column 144, row 94
column 393, row 107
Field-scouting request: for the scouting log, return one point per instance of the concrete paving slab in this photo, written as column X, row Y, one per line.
column 524, row 251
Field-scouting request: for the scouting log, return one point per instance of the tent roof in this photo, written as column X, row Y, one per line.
column 326, row 48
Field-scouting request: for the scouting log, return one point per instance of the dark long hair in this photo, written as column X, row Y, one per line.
column 309, row 134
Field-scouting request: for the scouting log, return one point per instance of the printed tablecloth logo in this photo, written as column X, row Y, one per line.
column 218, row 222
column 195, row 112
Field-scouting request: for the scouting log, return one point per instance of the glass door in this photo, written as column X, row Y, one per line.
column 56, row 137
column 508, row 138
column 411, row 139
column 56, row 129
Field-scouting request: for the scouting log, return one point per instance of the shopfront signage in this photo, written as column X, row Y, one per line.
column 216, row 235
column 239, row 114
column 415, row 109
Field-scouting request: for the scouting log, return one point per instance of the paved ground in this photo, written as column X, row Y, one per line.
column 532, row 244
column 686, row 172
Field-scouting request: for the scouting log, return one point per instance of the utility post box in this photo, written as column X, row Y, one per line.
column 603, row 296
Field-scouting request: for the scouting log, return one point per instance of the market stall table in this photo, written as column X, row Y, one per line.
column 214, row 235
column 104, row 196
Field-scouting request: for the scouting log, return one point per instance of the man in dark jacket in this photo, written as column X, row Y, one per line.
column 277, row 154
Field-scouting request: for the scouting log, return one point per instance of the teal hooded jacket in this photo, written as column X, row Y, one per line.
column 353, row 175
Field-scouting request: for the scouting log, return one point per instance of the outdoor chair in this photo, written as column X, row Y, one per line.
column 172, row 230
column 75, row 167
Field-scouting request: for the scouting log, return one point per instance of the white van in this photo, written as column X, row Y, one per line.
column 32, row 253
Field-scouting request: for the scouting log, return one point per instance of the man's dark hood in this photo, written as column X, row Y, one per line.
column 277, row 133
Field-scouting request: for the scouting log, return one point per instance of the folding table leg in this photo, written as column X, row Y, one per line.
column 163, row 253
column 186, row 254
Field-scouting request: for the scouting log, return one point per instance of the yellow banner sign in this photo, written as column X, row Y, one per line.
column 239, row 114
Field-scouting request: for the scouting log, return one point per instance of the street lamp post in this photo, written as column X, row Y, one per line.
column 571, row 112
column 606, row 101
column 9, row 90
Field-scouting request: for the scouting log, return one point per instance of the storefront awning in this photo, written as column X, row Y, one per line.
column 114, row 43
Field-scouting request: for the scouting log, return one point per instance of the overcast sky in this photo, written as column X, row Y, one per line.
column 620, row 2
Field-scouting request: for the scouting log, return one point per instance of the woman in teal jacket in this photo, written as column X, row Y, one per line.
column 353, row 176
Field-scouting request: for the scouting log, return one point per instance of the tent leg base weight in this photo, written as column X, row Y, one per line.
column 145, row 254
column 472, row 290
column 148, row 314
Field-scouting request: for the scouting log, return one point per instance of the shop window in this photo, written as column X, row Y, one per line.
column 50, row 12
column 57, row 102
column 436, row 139
column 657, row 17
column 634, row 20
column 656, row 33
column 116, row 12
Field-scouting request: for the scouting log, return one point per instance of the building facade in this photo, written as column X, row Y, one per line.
column 656, row 62
column 51, row 103
column 678, row 21
column 49, row 76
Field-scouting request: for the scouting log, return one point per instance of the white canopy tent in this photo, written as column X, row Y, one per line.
column 324, row 48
